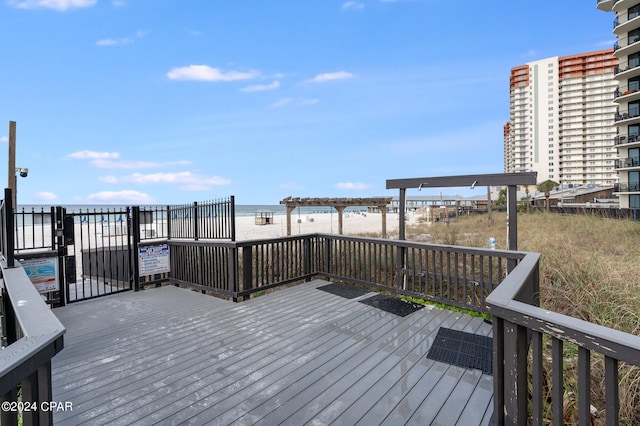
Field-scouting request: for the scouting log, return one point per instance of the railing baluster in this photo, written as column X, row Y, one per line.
column 584, row 386
column 557, row 391
column 537, row 372
column 612, row 399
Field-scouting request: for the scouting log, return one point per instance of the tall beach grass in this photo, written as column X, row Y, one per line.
column 589, row 269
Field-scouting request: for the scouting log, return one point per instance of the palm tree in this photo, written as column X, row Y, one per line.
column 546, row 187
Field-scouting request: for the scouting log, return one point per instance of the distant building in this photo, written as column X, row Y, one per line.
column 626, row 27
column 561, row 122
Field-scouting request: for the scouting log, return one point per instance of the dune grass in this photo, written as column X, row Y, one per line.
column 589, row 269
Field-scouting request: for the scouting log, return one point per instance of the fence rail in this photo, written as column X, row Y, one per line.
column 31, row 336
column 469, row 278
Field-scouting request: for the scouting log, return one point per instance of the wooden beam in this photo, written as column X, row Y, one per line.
column 495, row 179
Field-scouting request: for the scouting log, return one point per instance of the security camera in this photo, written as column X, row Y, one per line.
column 23, row 172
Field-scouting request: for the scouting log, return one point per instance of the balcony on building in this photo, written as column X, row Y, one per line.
column 605, row 5
column 629, row 116
column 626, row 22
column 626, row 139
column 632, row 187
column 622, row 5
column 627, row 93
column 627, row 69
column 627, row 46
column 628, row 163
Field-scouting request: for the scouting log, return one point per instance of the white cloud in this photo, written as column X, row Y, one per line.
column 46, row 196
column 207, row 73
column 282, row 102
column 4, row 139
column 292, row 185
column 352, row 5
column 294, row 102
column 121, row 197
column 186, row 180
column 59, row 5
column 261, row 87
column 331, row 76
column 121, row 41
column 92, row 155
column 135, row 165
column 118, row 3
column 108, row 179
column 305, row 102
column 352, row 185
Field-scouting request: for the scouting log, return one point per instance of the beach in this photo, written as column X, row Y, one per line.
column 352, row 224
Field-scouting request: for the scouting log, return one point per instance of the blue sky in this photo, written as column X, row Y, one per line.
column 173, row 101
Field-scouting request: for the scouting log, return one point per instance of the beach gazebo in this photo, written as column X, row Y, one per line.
column 264, row 217
column 339, row 204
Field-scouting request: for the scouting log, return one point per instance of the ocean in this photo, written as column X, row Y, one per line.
column 240, row 209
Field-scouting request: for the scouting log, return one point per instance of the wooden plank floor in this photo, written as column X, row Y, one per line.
column 295, row 356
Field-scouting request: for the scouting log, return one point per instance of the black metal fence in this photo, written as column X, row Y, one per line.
column 31, row 336
column 209, row 220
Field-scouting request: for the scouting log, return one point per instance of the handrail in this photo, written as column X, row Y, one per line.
column 35, row 336
column 518, row 322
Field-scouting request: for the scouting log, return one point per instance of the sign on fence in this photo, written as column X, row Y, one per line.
column 43, row 273
column 153, row 260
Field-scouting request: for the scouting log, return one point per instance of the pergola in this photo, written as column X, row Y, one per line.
column 510, row 180
column 339, row 204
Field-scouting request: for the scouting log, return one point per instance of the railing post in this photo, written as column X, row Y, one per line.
column 9, row 417
column 59, row 236
column 247, row 267
column 510, row 375
column 36, row 390
column 134, row 232
column 232, row 201
column 9, row 232
column 196, row 228
column 168, row 222
column 327, row 255
column 498, row 371
column 307, row 258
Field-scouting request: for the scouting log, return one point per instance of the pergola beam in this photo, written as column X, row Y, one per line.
column 495, row 179
column 510, row 180
column 339, row 204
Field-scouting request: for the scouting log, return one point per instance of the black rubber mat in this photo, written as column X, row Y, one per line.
column 346, row 291
column 463, row 349
column 392, row 304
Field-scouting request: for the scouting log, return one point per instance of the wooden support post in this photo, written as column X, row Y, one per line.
column 383, row 209
column 289, row 210
column 512, row 224
column 11, row 171
column 340, row 212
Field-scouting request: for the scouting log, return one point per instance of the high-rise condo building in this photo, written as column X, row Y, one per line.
column 562, row 119
column 626, row 27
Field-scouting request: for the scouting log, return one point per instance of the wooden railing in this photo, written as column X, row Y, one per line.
column 519, row 327
column 469, row 278
column 457, row 276
column 31, row 334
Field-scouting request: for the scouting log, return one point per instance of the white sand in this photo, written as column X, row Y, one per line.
column 352, row 223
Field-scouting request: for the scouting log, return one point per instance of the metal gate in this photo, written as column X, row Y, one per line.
column 98, row 253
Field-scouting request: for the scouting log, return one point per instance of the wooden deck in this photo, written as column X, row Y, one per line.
column 295, row 356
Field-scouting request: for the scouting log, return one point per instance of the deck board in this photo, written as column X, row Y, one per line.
column 294, row 356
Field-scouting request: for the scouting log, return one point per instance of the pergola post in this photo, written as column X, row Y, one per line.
column 401, row 212
column 289, row 210
column 512, row 223
column 383, row 210
column 340, row 204
column 340, row 210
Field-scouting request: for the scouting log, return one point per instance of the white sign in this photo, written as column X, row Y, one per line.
column 153, row 260
column 43, row 273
